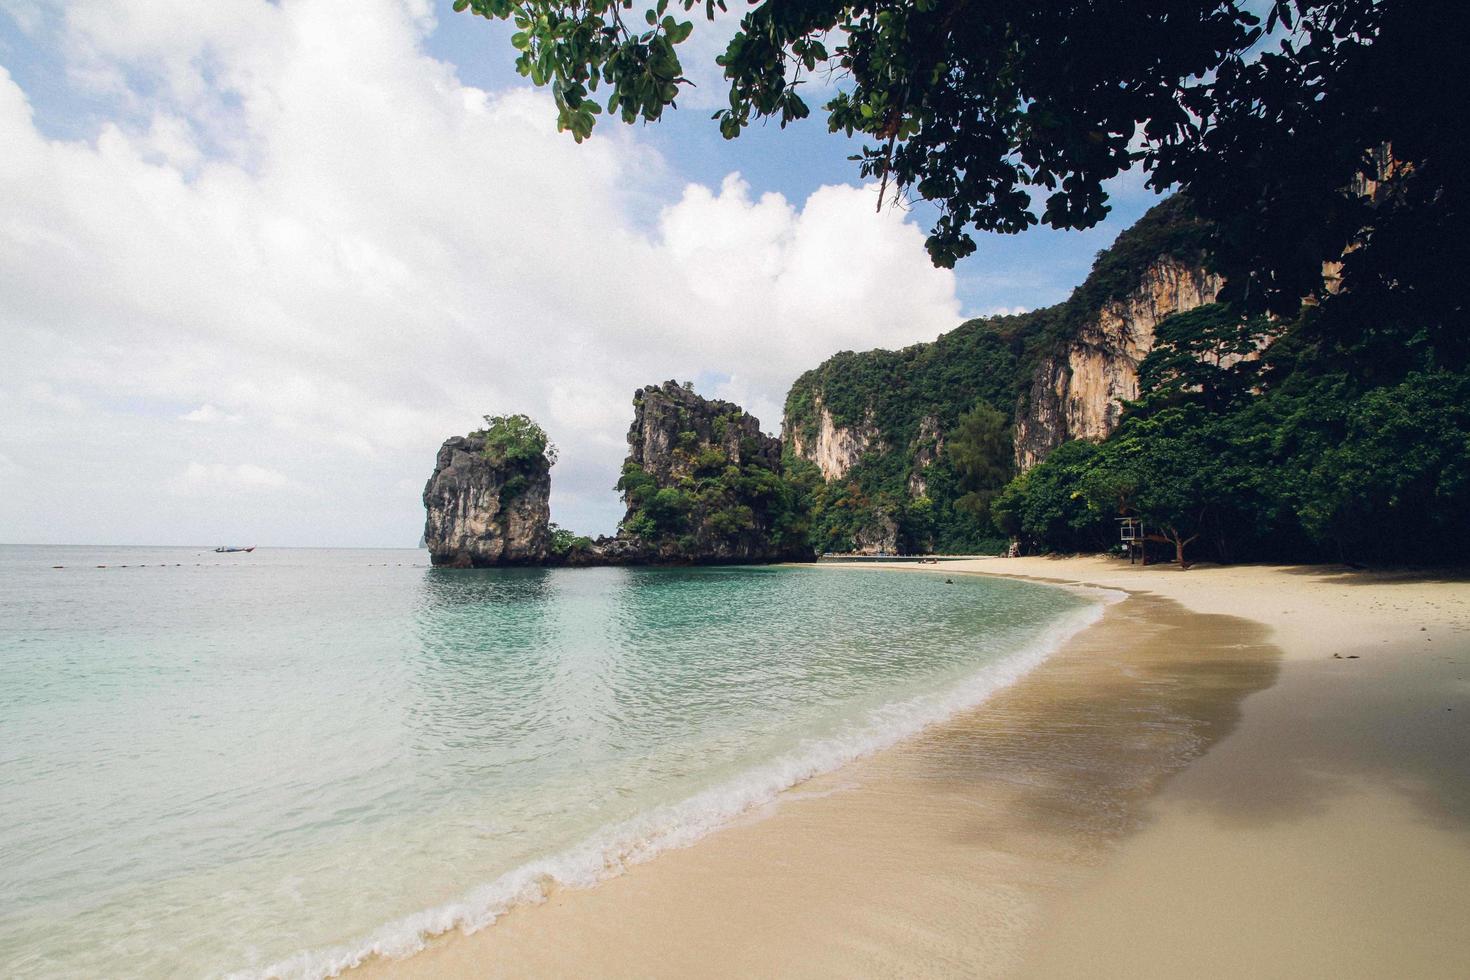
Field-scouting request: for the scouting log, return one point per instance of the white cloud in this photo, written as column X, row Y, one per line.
column 299, row 215
column 697, row 56
column 207, row 414
column 216, row 479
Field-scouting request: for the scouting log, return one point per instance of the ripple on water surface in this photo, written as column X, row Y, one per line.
column 231, row 765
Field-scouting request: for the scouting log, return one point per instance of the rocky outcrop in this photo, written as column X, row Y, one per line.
column 673, row 428
column 836, row 449
column 877, row 536
column 703, row 484
column 483, row 513
column 925, row 451
column 1077, row 392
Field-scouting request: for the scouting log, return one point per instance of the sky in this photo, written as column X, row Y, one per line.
column 259, row 259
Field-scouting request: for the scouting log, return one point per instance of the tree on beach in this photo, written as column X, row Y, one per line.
column 1045, row 505
column 1160, row 469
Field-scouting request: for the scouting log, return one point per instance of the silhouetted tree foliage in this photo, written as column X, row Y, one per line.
column 980, row 108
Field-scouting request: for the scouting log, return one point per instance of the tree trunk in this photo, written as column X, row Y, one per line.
column 1180, row 543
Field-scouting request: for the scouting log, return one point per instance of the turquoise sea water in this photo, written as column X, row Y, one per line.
column 275, row 763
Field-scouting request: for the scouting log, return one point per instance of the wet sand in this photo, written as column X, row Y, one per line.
column 1329, row 835
column 1195, row 786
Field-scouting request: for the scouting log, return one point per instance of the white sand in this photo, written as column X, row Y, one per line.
column 1195, row 787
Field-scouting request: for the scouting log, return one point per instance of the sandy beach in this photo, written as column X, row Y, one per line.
column 1243, row 771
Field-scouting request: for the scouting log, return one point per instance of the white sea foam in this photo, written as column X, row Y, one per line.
column 613, row 849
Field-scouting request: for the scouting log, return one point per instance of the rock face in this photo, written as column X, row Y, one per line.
column 1077, row 392
column 879, row 536
column 703, row 485
column 836, row 449
column 672, row 426
column 482, row 513
column 925, row 452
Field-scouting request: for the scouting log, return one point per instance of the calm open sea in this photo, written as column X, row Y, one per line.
column 277, row 762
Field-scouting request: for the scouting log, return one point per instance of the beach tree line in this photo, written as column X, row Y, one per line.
column 1301, row 453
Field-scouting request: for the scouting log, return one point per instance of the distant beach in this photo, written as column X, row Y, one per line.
column 1239, row 771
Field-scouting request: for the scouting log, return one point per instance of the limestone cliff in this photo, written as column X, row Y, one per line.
column 703, row 484
column 875, row 426
column 927, row 447
column 1077, row 391
column 834, row 448
column 673, row 427
column 876, row 535
column 483, row 512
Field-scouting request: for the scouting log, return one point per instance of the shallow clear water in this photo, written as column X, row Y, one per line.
column 278, row 761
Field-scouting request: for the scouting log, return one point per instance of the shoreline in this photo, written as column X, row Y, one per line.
column 1027, row 836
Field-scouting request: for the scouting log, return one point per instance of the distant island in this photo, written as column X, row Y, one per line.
column 702, row 484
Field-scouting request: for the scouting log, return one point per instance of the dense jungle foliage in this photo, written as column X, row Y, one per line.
column 1333, row 170
column 1341, row 432
column 711, row 498
column 1318, row 450
column 981, row 368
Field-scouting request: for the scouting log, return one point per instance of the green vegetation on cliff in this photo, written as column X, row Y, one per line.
column 519, row 445
column 515, row 439
column 1318, row 450
column 716, row 500
column 982, row 366
column 703, row 483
